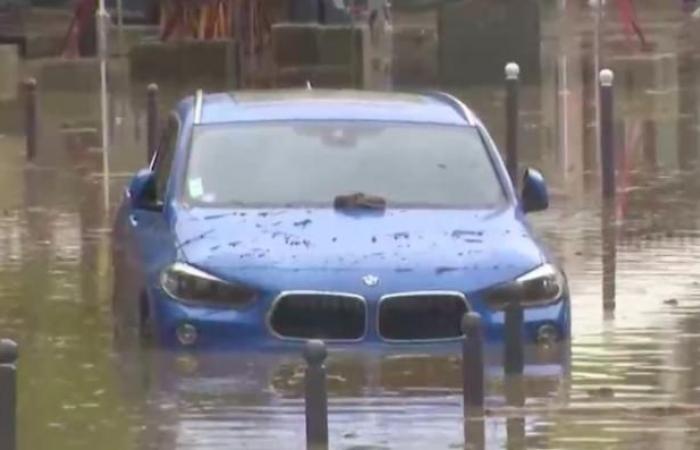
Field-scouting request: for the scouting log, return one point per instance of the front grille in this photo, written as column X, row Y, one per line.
column 309, row 315
column 421, row 316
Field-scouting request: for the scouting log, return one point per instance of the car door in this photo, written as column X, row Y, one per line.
column 149, row 239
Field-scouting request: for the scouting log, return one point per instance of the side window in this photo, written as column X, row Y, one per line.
column 164, row 157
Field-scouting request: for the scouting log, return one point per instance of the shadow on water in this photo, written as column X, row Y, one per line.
column 630, row 379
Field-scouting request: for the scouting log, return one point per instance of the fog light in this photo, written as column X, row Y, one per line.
column 547, row 335
column 186, row 334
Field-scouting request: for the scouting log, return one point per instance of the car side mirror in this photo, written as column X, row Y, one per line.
column 535, row 196
column 142, row 191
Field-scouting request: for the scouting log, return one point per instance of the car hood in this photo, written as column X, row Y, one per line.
column 414, row 247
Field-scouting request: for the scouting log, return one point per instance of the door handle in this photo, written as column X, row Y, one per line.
column 133, row 220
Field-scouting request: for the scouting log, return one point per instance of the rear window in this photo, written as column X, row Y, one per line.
column 268, row 164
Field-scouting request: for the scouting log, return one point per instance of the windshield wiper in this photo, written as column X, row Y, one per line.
column 359, row 200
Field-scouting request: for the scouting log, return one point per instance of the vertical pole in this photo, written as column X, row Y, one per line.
column 8, row 395
column 607, row 143
column 512, row 123
column 240, row 44
column 515, row 424
column 30, row 117
column 608, row 229
column 152, row 119
column 316, row 397
column 514, row 358
column 103, row 23
column 120, row 26
column 472, row 363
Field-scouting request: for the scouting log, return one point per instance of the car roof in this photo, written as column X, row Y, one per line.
column 324, row 104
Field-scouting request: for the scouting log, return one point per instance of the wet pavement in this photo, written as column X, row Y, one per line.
column 631, row 378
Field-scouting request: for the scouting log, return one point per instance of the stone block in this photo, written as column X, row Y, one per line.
column 68, row 75
column 478, row 38
column 339, row 45
column 325, row 55
column 318, row 76
column 9, row 72
column 185, row 62
column 295, row 44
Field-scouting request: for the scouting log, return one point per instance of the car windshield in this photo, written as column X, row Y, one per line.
column 316, row 163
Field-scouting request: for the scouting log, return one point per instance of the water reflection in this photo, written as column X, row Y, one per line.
column 380, row 398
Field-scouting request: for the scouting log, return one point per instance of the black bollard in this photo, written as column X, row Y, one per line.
column 515, row 423
column 8, row 394
column 475, row 433
column 316, row 396
column 512, row 119
column 608, row 230
column 514, row 358
column 472, row 364
column 30, row 117
column 152, row 119
column 607, row 143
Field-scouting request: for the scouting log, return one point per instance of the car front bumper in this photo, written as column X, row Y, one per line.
column 222, row 329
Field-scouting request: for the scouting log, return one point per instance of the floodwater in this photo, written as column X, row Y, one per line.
column 630, row 379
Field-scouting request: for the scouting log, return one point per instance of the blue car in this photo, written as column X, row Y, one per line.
column 268, row 218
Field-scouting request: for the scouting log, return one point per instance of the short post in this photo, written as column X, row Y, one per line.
column 514, row 357
column 30, row 117
column 515, row 424
column 316, row 396
column 607, row 143
column 8, row 394
column 608, row 242
column 472, row 363
column 152, row 120
column 512, row 119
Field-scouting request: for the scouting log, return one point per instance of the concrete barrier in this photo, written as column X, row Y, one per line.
column 325, row 55
column 68, row 75
column 185, row 62
column 478, row 37
column 9, row 75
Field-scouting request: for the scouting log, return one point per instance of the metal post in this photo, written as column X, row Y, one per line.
column 103, row 24
column 8, row 394
column 472, row 364
column 152, row 119
column 608, row 230
column 512, row 122
column 514, row 358
column 607, row 143
column 30, row 117
column 515, row 424
column 475, row 433
column 239, row 37
column 120, row 25
column 316, row 396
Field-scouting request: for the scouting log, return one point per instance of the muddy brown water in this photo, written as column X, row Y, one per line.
column 630, row 379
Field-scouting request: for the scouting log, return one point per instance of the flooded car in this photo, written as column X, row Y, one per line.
column 267, row 218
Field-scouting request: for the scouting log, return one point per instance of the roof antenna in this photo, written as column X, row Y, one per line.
column 308, row 85
column 198, row 105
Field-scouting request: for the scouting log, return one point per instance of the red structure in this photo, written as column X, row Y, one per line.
column 81, row 37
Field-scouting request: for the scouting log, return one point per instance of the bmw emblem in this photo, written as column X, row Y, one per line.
column 370, row 280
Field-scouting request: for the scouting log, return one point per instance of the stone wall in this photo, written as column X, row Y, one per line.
column 326, row 56
column 186, row 62
column 478, row 37
column 9, row 72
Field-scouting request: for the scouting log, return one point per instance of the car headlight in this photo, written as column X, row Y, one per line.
column 189, row 284
column 543, row 286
